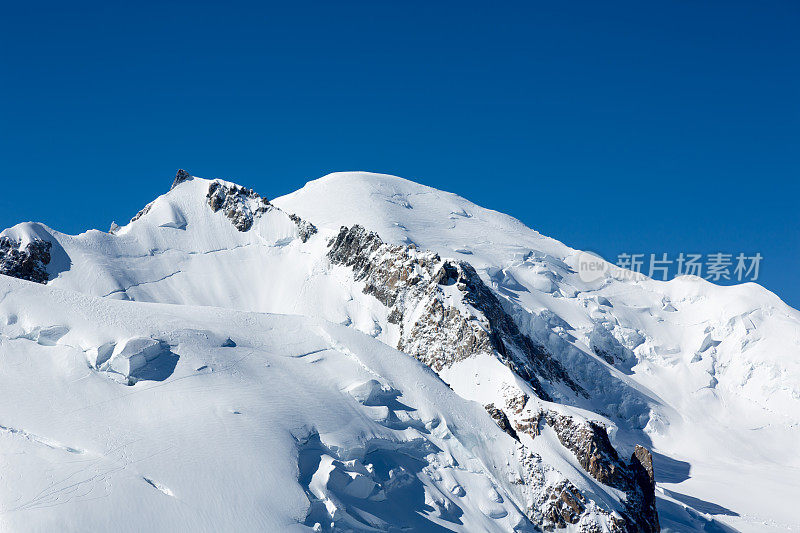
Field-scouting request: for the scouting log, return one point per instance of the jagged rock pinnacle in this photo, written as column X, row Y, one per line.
column 180, row 177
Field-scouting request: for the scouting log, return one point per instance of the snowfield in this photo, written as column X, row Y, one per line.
column 229, row 423
column 228, row 363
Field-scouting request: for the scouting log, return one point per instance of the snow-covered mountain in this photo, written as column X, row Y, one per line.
column 368, row 353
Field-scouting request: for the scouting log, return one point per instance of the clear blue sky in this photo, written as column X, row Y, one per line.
column 612, row 126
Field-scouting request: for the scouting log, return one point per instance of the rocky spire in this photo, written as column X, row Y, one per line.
column 180, row 177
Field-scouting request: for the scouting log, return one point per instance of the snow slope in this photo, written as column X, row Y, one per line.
column 718, row 367
column 239, row 422
column 706, row 376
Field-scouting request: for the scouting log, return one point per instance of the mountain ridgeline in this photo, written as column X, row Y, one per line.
column 584, row 390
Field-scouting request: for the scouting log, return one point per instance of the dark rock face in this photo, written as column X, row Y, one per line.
column 644, row 476
column 242, row 206
column 305, row 229
column 590, row 444
column 644, row 459
column 419, row 283
column 555, row 503
column 505, row 337
column 566, row 505
column 180, row 177
column 502, row 420
column 28, row 263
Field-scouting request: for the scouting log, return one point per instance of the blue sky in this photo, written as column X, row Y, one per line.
column 616, row 127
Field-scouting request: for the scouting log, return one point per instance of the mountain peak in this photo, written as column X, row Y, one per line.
column 578, row 375
column 180, row 177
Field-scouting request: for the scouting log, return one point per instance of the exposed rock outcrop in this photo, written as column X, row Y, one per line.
column 305, row 229
column 27, row 262
column 180, row 177
column 446, row 313
column 644, row 476
column 553, row 502
column 590, row 444
column 501, row 419
column 566, row 504
column 444, row 310
column 146, row 209
column 241, row 205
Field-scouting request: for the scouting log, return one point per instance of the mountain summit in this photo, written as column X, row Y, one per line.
column 371, row 354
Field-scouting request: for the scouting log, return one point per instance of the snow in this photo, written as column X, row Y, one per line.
column 123, row 401
column 197, row 450
column 716, row 367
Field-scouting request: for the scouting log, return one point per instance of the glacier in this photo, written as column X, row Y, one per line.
column 371, row 354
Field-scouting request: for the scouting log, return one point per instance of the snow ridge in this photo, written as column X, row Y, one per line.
column 532, row 400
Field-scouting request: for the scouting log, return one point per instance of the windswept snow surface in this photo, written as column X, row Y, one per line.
column 301, row 418
column 147, row 385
